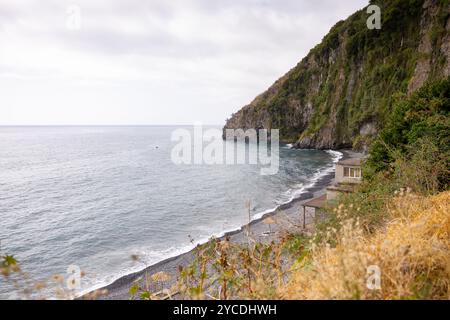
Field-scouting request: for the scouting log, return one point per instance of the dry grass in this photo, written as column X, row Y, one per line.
column 410, row 246
column 412, row 251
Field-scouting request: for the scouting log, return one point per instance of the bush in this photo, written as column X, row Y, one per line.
column 422, row 118
column 411, row 251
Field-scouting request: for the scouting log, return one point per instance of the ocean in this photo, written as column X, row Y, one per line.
column 95, row 197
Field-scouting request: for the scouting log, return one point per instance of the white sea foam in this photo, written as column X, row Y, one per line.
column 154, row 257
column 96, row 196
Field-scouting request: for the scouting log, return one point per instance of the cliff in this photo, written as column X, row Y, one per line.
column 340, row 94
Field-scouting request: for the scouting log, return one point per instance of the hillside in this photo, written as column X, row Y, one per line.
column 412, row 250
column 395, row 224
column 340, row 94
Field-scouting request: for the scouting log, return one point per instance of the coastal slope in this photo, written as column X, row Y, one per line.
column 339, row 94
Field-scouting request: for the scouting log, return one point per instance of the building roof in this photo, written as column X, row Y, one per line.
column 317, row 202
column 350, row 162
column 341, row 187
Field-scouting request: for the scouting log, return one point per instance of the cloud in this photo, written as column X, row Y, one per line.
column 211, row 56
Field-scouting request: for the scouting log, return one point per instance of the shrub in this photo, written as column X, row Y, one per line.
column 412, row 252
column 422, row 118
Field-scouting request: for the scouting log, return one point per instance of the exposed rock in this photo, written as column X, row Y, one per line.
column 342, row 90
column 426, row 49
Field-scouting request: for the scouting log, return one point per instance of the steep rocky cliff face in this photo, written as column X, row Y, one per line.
column 340, row 93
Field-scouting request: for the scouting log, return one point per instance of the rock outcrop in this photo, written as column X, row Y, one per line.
column 341, row 92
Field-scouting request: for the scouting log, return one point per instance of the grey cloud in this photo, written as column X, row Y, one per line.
column 252, row 31
column 191, row 50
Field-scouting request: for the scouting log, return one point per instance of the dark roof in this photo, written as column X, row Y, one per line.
column 341, row 188
column 350, row 162
column 316, row 202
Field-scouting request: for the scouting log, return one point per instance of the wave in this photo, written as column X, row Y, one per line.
column 295, row 193
column 172, row 252
column 163, row 255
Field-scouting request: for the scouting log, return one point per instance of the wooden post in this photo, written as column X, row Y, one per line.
column 304, row 217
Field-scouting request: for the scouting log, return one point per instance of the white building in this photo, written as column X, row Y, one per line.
column 348, row 173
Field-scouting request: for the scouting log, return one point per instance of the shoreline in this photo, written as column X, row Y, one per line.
column 286, row 215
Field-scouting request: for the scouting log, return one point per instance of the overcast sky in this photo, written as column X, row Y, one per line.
column 149, row 61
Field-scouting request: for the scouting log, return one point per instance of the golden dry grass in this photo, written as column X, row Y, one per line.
column 412, row 251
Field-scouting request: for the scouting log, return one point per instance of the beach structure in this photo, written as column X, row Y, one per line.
column 348, row 174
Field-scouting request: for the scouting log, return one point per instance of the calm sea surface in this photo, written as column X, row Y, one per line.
column 95, row 196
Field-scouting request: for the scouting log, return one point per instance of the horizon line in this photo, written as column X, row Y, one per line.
column 105, row 125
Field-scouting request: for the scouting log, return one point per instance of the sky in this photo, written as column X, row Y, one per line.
column 119, row 62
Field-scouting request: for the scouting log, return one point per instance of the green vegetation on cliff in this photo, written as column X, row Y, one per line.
column 340, row 94
column 397, row 220
column 421, row 122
